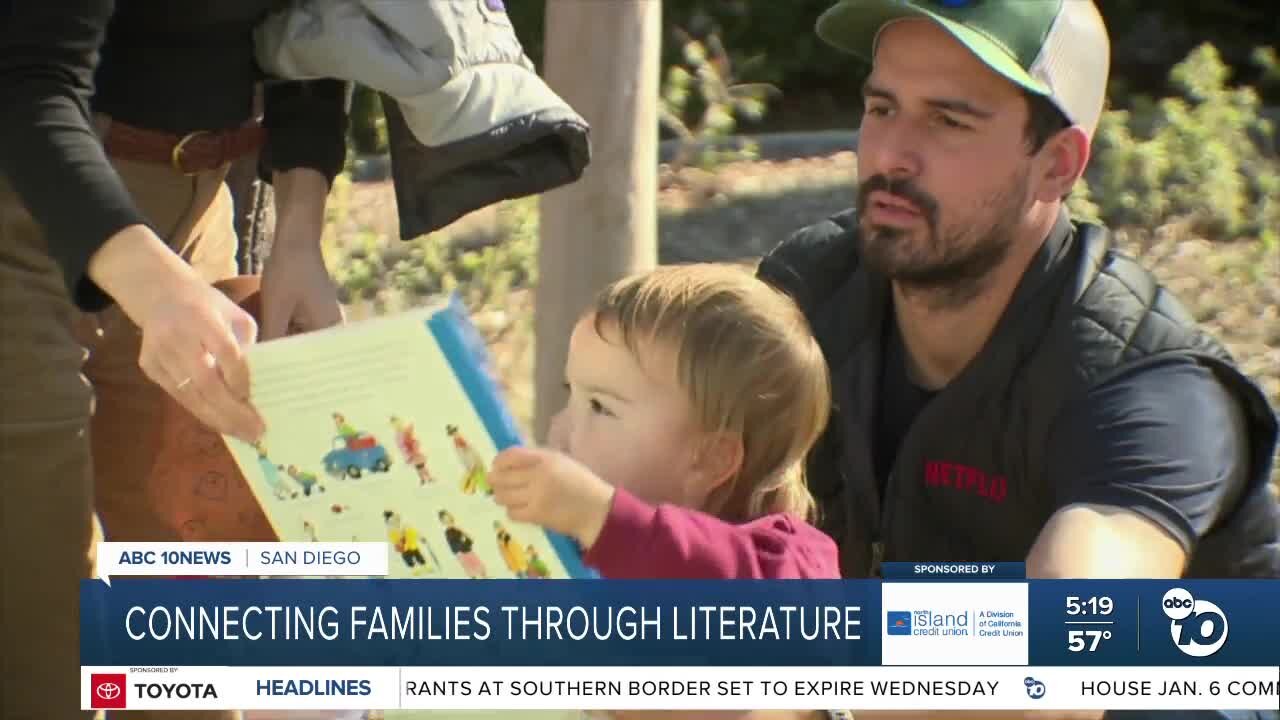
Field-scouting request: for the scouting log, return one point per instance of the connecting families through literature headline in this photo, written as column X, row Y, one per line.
column 515, row 622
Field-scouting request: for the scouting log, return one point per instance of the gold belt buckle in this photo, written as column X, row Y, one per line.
column 176, row 156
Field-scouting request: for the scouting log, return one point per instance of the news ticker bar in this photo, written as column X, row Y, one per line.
column 680, row 688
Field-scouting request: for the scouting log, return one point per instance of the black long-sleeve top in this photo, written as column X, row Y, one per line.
column 159, row 64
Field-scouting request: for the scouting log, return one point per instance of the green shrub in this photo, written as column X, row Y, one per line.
column 1201, row 156
column 1081, row 203
column 435, row 264
column 701, row 103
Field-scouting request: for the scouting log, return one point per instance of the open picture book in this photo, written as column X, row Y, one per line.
column 385, row 429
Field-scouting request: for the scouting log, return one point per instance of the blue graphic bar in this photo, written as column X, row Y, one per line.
column 405, row 623
column 401, row 623
column 1155, row 622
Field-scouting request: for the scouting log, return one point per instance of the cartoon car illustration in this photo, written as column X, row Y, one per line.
column 351, row 457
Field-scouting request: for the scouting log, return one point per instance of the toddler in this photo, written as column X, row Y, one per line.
column 695, row 392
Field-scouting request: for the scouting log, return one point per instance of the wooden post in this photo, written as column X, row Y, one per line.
column 603, row 59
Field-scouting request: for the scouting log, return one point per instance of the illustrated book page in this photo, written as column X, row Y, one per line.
column 385, row 430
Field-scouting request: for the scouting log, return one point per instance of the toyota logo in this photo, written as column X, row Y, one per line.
column 107, row 691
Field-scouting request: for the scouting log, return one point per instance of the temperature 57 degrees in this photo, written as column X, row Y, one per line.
column 1086, row 640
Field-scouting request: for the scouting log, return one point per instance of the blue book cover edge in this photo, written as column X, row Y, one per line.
column 465, row 350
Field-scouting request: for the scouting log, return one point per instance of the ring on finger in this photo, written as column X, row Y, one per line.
column 183, row 384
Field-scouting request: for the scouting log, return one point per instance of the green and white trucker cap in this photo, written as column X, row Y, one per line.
column 1056, row 48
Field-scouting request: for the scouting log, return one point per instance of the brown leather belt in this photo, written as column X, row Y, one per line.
column 188, row 154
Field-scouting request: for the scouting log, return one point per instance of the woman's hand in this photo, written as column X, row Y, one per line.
column 193, row 336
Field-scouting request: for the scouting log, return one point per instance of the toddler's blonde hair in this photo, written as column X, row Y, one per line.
column 748, row 360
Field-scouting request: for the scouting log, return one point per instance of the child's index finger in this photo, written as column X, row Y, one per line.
column 516, row 458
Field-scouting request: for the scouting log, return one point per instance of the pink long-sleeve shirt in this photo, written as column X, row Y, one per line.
column 643, row 541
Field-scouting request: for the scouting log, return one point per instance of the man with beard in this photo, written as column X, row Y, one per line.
column 1008, row 387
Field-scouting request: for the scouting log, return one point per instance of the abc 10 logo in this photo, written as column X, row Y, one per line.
column 1198, row 627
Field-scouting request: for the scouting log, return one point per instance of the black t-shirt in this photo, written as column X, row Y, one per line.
column 900, row 402
column 1166, row 441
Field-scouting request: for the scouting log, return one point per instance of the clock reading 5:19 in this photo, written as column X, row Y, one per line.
column 1089, row 606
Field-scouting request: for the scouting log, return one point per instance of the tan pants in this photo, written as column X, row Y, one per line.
column 71, row 397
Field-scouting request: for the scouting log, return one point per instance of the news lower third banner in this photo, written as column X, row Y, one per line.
column 973, row 636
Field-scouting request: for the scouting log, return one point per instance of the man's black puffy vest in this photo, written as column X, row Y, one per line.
column 1081, row 313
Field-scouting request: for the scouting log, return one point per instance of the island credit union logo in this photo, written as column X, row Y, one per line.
column 107, row 691
column 898, row 622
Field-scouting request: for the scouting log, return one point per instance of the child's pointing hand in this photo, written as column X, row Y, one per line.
column 548, row 488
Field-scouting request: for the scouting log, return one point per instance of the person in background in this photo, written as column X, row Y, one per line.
column 1004, row 377
column 1009, row 387
column 121, row 119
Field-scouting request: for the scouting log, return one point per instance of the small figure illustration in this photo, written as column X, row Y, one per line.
column 338, row 509
column 271, row 474
column 405, row 541
column 461, row 545
column 344, row 428
column 537, row 568
column 476, row 476
column 512, row 554
column 309, row 530
column 307, row 481
column 407, row 439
